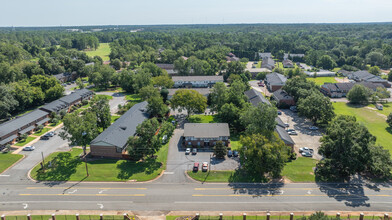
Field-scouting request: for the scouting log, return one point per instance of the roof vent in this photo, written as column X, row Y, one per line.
column 123, row 128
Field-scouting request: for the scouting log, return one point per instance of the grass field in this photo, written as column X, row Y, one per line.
column 68, row 167
column 203, row 119
column 321, row 80
column 133, row 98
column 23, row 143
column 43, row 131
column 114, row 118
column 371, row 119
column 235, row 142
column 107, row 97
column 300, row 170
column 213, row 176
column 7, row 159
column 103, row 51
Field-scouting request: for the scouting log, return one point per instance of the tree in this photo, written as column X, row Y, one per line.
column 317, row 108
column 80, row 130
column 390, row 76
column 220, row 149
column 358, row 94
column 236, row 93
column 39, row 128
column 101, row 108
column 147, row 92
column 349, row 148
column 389, row 120
column 326, row 62
column 162, row 81
column 7, row 102
column 164, row 93
column 260, row 119
column 116, row 63
column 80, row 83
column 218, row 96
column 189, row 100
column 375, row 70
column 300, row 87
column 260, row 156
column 156, row 107
column 146, row 142
column 235, row 67
column 230, row 114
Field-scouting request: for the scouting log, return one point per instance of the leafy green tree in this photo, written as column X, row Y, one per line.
column 80, row 130
column 326, row 62
column 260, row 119
column 182, row 67
column 390, row 76
column 80, row 83
column 235, row 67
column 167, row 128
column 375, row 70
column 348, row 149
column 317, row 108
column 39, row 128
column 156, row 106
column 220, row 150
column 236, row 93
column 164, row 93
column 7, row 102
column 189, row 100
column 299, row 87
column 358, row 94
column 146, row 142
column 140, row 80
column 147, row 92
column 389, row 120
column 231, row 114
column 100, row 106
column 261, row 156
column 163, row 81
column 218, row 96
column 116, row 63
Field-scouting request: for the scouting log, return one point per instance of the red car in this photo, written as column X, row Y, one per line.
column 195, row 167
column 260, row 84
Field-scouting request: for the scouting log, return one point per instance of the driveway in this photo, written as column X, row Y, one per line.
column 305, row 137
column 118, row 99
column 258, row 88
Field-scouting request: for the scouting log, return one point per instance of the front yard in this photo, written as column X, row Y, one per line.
column 24, row 142
column 321, row 80
column 67, row 166
column 300, row 170
column 7, row 159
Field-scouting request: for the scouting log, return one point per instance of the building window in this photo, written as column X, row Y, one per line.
column 118, row 150
column 198, row 143
column 189, row 143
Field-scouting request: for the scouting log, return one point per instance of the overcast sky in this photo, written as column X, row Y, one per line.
column 142, row 12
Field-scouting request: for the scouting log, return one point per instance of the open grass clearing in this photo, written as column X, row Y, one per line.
column 203, row 119
column 7, row 159
column 372, row 119
column 67, row 166
column 103, row 51
column 300, row 170
column 24, row 142
column 321, row 80
column 133, row 98
column 102, row 96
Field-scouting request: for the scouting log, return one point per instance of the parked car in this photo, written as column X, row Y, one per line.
column 194, row 151
column 302, row 149
column 290, row 129
column 313, row 128
column 307, row 154
column 164, row 139
column 260, row 84
column 204, row 167
column 229, row 153
column 195, row 167
column 44, row 137
column 29, row 148
column 293, row 108
column 292, row 133
column 286, row 125
column 235, row 153
column 50, row 134
column 188, row 151
column 279, row 112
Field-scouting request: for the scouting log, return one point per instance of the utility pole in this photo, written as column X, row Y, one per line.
column 210, row 162
column 43, row 160
column 85, row 161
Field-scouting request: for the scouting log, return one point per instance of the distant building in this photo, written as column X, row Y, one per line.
column 77, row 96
column 338, row 90
column 268, row 63
column 113, row 140
column 283, row 99
column 206, row 134
column 365, row 76
column 288, row 64
column 231, row 57
column 168, row 67
column 196, row 81
column 66, row 77
column 292, row 56
column 264, row 55
column 275, row 81
column 321, row 73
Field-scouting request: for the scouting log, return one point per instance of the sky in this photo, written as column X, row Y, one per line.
column 149, row 12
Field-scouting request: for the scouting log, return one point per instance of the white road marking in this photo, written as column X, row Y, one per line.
column 4, row 175
column 25, row 205
column 100, row 205
column 71, row 192
column 170, row 173
column 100, row 192
column 309, row 192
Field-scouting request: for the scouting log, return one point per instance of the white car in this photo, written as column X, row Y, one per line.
column 204, row 167
column 188, row 151
column 29, row 148
column 302, row 149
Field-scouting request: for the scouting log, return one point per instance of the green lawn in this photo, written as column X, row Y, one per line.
column 374, row 122
column 300, row 170
column 103, row 51
column 203, row 119
column 68, row 167
column 7, row 159
column 23, row 143
column 133, row 98
column 321, row 80
column 387, row 108
column 114, row 118
column 43, row 131
column 107, row 97
column 54, row 125
column 235, row 142
column 224, row 176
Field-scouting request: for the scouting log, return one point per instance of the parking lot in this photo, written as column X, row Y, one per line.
column 306, row 137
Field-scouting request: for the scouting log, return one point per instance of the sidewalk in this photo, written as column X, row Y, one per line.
column 19, row 149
